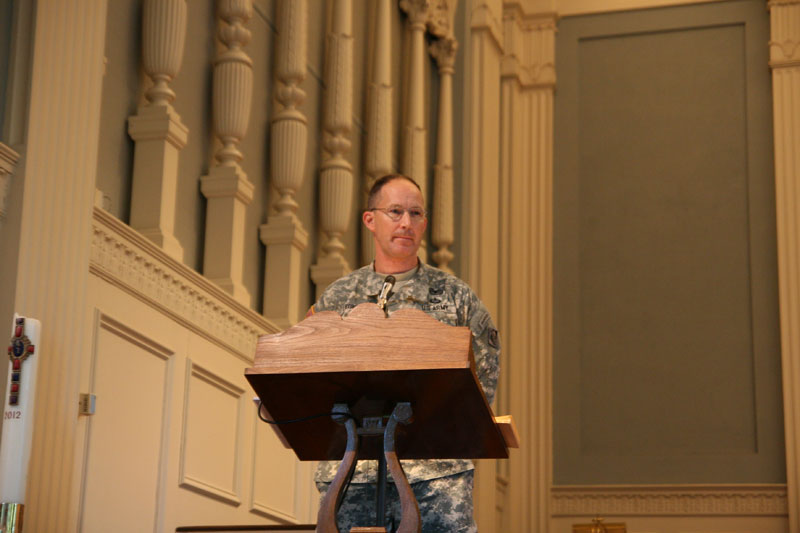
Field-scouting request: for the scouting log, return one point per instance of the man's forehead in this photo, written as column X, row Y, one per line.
column 399, row 192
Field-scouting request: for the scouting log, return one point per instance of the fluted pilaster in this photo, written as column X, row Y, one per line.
column 379, row 141
column 785, row 63
column 444, row 51
column 283, row 234
column 61, row 149
column 528, row 83
column 336, row 174
column 415, row 133
column 226, row 186
column 8, row 160
column 157, row 128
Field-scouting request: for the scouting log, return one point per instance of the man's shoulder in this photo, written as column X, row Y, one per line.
column 432, row 275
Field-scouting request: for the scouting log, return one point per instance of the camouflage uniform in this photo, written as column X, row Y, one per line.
column 449, row 300
column 445, row 505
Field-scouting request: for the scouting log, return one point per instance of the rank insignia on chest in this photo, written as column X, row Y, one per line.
column 19, row 349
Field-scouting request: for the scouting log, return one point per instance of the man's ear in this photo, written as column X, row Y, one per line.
column 368, row 218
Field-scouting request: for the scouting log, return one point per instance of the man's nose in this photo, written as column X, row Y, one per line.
column 405, row 218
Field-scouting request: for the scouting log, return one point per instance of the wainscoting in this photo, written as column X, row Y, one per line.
column 175, row 440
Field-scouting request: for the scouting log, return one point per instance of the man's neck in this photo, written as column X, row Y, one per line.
column 384, row 266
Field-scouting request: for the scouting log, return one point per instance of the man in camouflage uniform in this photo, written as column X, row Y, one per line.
column 443, row 488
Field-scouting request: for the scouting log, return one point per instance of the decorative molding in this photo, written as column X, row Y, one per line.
column 122, row 257
column 784, row 44
column 670, row 500
column 8, row 161
column 483, row 18
column 441, row 17
column 230, row 495
column 529, row 48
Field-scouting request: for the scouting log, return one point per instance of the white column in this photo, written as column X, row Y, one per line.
column 526, row 176
column 157, row 128
column 785, row 63
column 379, row 141
column 336, row 174
column 61, row 149
column 226, row 186
column 283, row 234
column 444, row 51
column 8, row 160
column 415, row 134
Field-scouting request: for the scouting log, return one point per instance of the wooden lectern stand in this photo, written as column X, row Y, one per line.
column 408, row 378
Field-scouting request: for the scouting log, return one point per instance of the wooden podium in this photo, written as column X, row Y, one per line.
column 408, row 378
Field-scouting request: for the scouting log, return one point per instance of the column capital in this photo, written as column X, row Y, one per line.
column 441, row 17
column 784, row 43
column 417, row 11
column 529, row 47
column 444, row 52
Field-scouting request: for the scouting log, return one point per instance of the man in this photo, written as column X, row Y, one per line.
column 396, row 217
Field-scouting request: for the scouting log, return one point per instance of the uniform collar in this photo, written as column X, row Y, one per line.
column 411, row 290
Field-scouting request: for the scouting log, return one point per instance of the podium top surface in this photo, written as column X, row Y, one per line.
column 370, row 363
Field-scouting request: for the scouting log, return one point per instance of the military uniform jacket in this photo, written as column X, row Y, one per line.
column 449, row 300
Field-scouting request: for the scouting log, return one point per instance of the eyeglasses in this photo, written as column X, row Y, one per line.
column 416, row 214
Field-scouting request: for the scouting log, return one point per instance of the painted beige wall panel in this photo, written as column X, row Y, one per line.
column 666, row 299
column 211, row 445
column 274, row 477
column 125, row 452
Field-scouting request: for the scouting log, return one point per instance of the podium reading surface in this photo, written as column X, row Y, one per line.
column 371, row 362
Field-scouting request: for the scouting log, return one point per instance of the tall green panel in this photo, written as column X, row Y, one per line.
column 666, row 347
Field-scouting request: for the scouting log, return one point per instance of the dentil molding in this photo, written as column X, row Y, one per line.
column 124, row 258
column 670, row 500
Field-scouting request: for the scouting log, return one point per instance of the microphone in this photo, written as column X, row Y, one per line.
column 386, row 290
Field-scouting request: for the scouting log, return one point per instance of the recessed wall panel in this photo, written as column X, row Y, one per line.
column 666, row 341
column 211, row 438
column 274, row 476
column 123, row 456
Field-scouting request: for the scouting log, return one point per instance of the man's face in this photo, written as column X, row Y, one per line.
column 397, row 240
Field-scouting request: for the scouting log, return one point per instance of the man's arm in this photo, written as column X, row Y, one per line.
column 486, row 347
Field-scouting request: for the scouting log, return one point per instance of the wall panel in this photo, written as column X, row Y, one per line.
column 130, row 376
column 180, row 437
column 667, row 360
column 213, row 418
